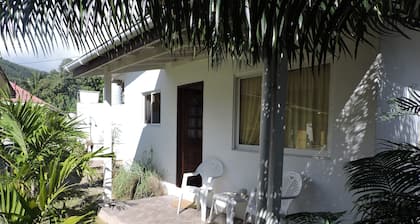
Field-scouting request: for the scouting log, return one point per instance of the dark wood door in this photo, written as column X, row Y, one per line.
column 190, row 130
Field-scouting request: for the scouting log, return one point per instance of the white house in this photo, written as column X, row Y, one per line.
column 186, row 111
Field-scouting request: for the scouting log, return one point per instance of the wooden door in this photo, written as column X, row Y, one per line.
column 189, row 130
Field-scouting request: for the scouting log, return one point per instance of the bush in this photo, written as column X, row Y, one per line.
column 137, row 181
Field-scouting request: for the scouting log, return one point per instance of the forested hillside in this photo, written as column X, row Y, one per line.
column 18, row 72
column 58, row 87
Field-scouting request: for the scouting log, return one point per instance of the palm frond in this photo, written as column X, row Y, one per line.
column 409, row 104
column 314, row 218
column 36, row 135
column 14, row 206
column 386, row 187
column 40, row 25
column 302, row 30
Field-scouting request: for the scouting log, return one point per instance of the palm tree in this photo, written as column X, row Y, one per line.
column 274, row 32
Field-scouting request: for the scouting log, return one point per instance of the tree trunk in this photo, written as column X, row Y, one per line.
column 274, row 90
column 279, row 88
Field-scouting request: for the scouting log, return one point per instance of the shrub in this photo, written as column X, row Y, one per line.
column 137, row 181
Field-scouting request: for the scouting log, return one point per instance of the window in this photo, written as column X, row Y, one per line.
column 306, row 109
column 152, row 108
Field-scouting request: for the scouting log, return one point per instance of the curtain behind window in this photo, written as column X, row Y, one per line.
column 147, row 108
column 307, row 108
column 249, row 111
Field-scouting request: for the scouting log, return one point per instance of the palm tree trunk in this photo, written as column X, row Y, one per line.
column 274, row 90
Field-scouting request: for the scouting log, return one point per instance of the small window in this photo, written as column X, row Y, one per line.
column 306, row 110
column 152, row 108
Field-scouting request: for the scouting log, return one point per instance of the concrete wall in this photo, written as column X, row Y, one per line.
column 351, row 131
column 94, row 122
column 401, row 70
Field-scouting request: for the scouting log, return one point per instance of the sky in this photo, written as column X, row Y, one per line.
column 41, row 62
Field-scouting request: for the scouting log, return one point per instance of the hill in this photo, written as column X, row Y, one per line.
column 17, row 72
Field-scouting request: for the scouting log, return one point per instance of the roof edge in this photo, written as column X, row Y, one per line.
column 107, row 46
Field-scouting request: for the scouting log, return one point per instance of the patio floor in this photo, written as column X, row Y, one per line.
column 155, row 210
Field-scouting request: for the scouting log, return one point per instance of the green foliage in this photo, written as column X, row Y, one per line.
column 386, row 187
column 408, row 105
column 18, row 72
column 41, row 151
column 137, row 181
column 58, row 87
column 19, row 206
column 38, row 135
column 225, row 28
column 301, row 30
column 314, row 218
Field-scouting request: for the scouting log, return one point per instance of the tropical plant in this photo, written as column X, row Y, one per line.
column 17, row 205
column 386, row 187
column 41, row 151
column 276, row 32
column 314, row 218
column 36, row 135
column 407, row 105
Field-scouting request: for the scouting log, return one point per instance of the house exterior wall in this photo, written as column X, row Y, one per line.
column 400, row 70
column 351, row 127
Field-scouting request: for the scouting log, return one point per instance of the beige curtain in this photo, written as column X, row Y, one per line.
column 307, row 108
column 249, row 111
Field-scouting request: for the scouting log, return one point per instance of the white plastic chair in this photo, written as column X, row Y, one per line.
column 292, row 186
column 208, row 170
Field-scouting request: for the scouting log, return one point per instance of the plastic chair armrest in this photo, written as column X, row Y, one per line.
column 185, row 177
column 289, row 197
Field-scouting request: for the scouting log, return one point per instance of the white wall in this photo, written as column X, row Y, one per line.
column 92, row 122
column 401, row 69
column 351, row 127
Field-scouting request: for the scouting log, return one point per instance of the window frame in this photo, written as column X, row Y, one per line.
column 237, row 145
column 323, row 152
column 151, row 93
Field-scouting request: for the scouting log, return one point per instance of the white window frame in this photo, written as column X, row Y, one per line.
column 307, row 152
column 237, row 145
column 151, row 93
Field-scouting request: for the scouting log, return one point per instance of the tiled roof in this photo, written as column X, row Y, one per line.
column 24, row 95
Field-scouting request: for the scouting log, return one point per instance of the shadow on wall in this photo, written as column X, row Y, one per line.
column 401, row 75
column 356, row 138
column 359, row 112
column 352, row 135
